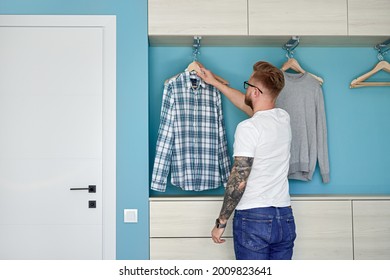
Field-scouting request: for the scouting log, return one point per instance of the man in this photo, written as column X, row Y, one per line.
column 257, row 188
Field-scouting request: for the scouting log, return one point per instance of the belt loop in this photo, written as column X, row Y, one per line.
column 277, row 211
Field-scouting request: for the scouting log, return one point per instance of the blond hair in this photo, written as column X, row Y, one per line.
column 270, row 77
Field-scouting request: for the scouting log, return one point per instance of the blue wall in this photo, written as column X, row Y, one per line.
column 358, row 120
column 132, row 106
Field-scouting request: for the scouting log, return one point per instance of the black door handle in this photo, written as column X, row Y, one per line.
column 90, row 189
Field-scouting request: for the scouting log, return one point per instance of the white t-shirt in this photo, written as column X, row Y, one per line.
column 267, row 138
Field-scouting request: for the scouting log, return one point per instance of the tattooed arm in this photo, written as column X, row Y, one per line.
column 234, row 190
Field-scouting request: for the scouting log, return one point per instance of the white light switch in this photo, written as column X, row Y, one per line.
column 131, row 215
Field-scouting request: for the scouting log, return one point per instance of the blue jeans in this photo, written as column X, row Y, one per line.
column 265, row 233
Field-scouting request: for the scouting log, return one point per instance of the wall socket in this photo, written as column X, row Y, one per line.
column 130, row 216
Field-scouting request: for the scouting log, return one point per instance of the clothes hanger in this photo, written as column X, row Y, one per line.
column 293, row 64
column 195, row 67
column 192, row 67
column 359, row 82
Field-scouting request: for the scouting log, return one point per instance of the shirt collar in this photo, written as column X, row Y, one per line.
column 188, row 82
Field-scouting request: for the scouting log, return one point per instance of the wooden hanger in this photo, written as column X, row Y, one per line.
column 359, row 82
column 195, row 66
column 293, row 64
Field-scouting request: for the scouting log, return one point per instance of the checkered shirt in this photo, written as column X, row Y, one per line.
column 191, row 137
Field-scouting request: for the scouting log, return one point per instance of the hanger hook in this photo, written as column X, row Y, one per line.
column 291, row 45
column 196, row 47
column 382, row 49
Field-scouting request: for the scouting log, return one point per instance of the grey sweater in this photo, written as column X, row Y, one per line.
column 302, row 98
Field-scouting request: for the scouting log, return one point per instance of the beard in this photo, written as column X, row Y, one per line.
column 248, row 101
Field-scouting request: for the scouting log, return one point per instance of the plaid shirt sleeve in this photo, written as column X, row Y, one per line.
column 223, row 156
column 165, row 142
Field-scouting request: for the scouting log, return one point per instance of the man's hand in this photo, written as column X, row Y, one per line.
column 207, row 76
column 216, row 235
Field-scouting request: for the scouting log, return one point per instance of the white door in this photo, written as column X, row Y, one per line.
column 57, row 133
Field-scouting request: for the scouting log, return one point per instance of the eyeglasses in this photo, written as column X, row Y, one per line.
column 246, row 85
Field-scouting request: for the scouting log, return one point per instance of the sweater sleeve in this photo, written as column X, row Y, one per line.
column 165, row 141
column 322, row 136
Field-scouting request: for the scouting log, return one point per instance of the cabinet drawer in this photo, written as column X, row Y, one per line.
column 371, row 223
column 185, row 218
column 324, row 230
column 190, row 249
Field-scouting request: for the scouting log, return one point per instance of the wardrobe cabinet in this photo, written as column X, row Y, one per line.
column 269, row 22
column 371, row 226
column 370, row 18
column 298, row 17
column 200, row 17
column 328, row 228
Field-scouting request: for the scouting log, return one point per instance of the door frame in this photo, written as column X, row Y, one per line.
column 108, row 25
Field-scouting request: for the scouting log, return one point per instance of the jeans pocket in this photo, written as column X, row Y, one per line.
column 291, row 228
column 256, row 234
